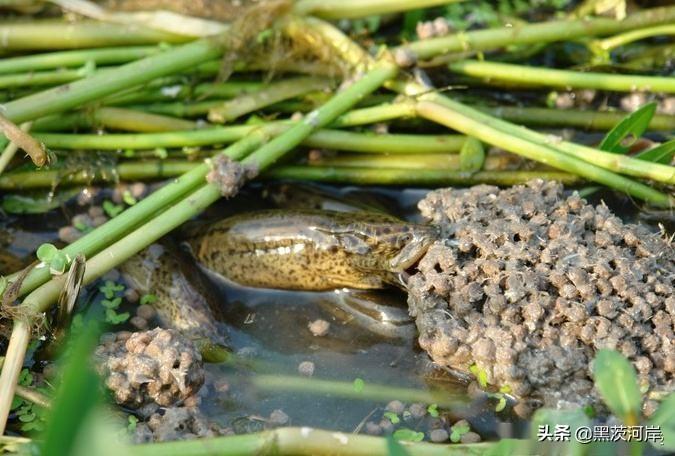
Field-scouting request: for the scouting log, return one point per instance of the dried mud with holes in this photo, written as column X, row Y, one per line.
column 528, row 284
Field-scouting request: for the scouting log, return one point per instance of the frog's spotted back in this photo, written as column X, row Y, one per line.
column 311, row 250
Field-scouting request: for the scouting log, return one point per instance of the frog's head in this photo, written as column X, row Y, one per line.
column 409, row 245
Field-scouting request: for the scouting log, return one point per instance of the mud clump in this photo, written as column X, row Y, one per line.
column 228, row 175
column 528, row 284
column 176, row 423
column 157, row 366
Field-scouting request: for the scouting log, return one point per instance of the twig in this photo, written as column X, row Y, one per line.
column 23, row 140
column 11, row 148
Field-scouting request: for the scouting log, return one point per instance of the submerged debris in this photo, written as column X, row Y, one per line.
column 156, row 366
column 529, row 284
column 176, row 423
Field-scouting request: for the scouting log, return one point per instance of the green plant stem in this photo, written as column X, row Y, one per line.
column 634, row 35
column 458, row 120
column 54, row 34
column 614, row 162
column 40, row 78
column 370, row 392
column 301, row 442
column 445, row 162
column 11, row 367
column 77, row 58
column 115, row 119
column 126, row 171
column 421, row 177
column 328, row 139
column 273, row 93
column 105, row 83
column 549, row 77
column 34, row 396
column 590, row 120
column 544, row 32
column 350, row 9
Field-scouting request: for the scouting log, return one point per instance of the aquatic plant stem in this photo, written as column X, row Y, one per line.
column 590, row 120
column 420, row 177
column 549, row 77
column 11, row 368
column 51, row 34
column 545, row 32
column 11, row 149
column 103, row 83
column 302, row 442
column 273, row 93
column 634, row 35
column 77, row 58
column 328, row 139
column 350, row 9
column 457, row 120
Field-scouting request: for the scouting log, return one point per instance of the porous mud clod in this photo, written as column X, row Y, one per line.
column 157, row 366
column 228, row 175
column 528, row 284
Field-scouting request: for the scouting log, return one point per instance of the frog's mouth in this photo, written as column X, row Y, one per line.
column 412, row 253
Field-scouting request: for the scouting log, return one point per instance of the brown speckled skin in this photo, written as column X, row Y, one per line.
column 311, row 250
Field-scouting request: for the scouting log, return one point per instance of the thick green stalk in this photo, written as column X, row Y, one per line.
column 308, row 442
column 634, row 35
column 350, row 9
column 590, row 120
column 421, row 177
column 457, row 120
column 615, row 162
column 78, row 58
column 328, row 139
column 105, row 83
column 54, row 34
column 549, row 77
column 275, row 92
column 152, row 94
column 545, row 32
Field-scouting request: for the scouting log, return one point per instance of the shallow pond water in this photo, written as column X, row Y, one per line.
column 270, row 328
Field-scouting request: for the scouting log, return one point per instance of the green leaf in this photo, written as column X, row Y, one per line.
column 25, row 378
column 359, row 384
column 630, row 129
column 133, row 421
column 472, row 156
column 37, row 203
column 391, row 416
column 112, row 209
column 148, row 299
column 46, row 252
column 433, row 410
column 616, row 381
column 128, row 198
column 408, row 435
column 111, row 304
column 457, row 430
column 662, row 153
column 501, row 405
column 664, row 418
column 57, row 265
column 394, row 448
column 27, row 417
column 480, row 374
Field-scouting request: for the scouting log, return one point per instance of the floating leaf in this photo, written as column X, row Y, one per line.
column 46, row 252
column 664, row 418
column 57, row 265
column 457, row 430
column 501, row 405
column 112, row 209
column 616, row 381
column 133, row 421
column 148, row 299
column 391, row 416
column 662, row 153
column 630, row 129
column 433, row 410
column 128, row 198
column 408, row 435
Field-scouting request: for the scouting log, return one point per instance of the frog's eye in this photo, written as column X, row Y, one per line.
column 406, row 237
